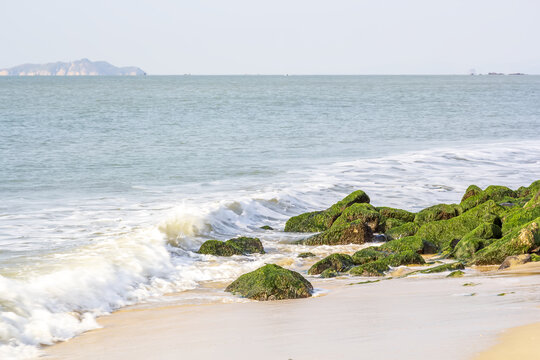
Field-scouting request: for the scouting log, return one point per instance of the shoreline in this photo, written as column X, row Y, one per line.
column 515, row 342
column 347, row 322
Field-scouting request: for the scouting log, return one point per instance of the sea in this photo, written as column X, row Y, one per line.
column 109, row 185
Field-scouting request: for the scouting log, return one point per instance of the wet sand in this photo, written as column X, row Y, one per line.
column 408, row 318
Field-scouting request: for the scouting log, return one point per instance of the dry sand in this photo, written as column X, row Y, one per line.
column 408, row 318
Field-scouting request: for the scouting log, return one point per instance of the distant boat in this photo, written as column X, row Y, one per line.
column 495, row 73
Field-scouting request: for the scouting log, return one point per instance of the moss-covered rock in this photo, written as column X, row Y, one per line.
column 437, row 212
column 444, row 267
column 534, row 203
column 413, row 243
column 337, row 262
column 306, row 255
column 317, row 221
column 356, row 232
column 517, row 217
column 447, row 233
column 519, row 241
column 271, row 282
column 238, row 246
column 399, row 214
column 493, row 192
column 389, row 224
column 477, row 239
column 367, row 255
column 246, row 245
column 383, row 261
column 407, row 229
column 267, row 227
column 363, row 212
column 375, row 268
column 471, row 191
column 217, row 248
column 329, row 273
column 456, row 274
column 355, row 197
column 525, row 192
column 408, row 257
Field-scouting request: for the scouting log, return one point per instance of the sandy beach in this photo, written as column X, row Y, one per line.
column 407, row 318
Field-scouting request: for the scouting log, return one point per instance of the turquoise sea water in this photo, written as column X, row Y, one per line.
column 108, row 185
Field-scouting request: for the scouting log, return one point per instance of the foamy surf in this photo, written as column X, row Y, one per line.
column 141, row 251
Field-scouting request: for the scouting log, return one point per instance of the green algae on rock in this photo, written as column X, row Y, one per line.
column 356, row 232
column 455, row 274
column 393, row 213
column 367, row 255
column 271, row 282
column 447, row 233
column 337, row 262
column 266, row 227
column 477, row 239
column 521, row 240
column 493, row 192
column 375, row 268
column 382, row 264
column 407, row 229
column 364, row 212
column 329, row 273
column 445, row 267
column 413, row 243
column 516, row 217
column 437, row 212
column 238, row 246
column 317, row 221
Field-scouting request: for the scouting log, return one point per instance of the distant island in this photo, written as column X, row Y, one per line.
column 83, row 67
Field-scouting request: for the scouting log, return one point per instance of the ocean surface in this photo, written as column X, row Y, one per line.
column 108, row 185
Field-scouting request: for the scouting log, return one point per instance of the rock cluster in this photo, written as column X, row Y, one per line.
column 493, row 226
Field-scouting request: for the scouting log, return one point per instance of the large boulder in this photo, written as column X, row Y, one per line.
column 238, row 246
column 337, row 262
column 519, row 241
column 322, row 220
column 271, row 282
column 356, row 232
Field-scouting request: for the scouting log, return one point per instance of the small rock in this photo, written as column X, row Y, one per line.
column 515, row 260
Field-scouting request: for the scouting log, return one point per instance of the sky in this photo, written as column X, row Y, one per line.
column 277, row 37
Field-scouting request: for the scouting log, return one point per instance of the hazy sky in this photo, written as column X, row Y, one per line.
column 277, row 37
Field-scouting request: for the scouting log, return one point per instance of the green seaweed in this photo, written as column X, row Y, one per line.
column 271, row 282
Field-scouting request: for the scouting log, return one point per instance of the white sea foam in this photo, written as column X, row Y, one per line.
column 147, row 250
